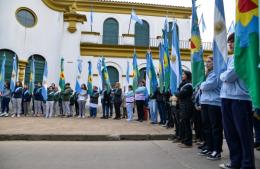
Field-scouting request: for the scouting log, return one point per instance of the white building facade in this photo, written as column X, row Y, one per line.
column 48, row 30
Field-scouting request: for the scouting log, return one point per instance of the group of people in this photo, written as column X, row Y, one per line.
column 218, row 104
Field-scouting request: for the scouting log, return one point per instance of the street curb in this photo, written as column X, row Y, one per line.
column 55, row 137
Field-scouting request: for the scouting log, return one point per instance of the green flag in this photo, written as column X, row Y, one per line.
column 197, row 63
column 62, row 76
column 247, row 56
column 135, row 72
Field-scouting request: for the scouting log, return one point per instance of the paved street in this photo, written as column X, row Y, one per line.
column 104, row 155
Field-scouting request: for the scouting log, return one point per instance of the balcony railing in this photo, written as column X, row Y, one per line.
column 122, row 40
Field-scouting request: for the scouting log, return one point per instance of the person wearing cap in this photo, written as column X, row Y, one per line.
column 237, row 116
column 211, row 113
column 184, row 96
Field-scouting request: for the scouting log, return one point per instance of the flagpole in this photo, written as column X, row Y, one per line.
column 129, row 25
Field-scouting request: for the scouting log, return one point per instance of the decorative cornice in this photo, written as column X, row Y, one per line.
column 121, row 8
column 90, row 33
column 125, row 51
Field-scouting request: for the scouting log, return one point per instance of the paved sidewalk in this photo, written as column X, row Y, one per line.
column 80, row 129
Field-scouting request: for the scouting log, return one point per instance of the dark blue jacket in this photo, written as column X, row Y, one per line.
column 18, row 92
column 38, row 94
column 26, row 96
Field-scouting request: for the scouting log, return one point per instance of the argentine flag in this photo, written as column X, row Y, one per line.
column 99, row 68
column 14, row 75
column 127, row 79
column 220, row 52
column 136, row 18
column 2, row 75
column 148, row 67
column 44, row 82
column 79, row 70
column 175, row 61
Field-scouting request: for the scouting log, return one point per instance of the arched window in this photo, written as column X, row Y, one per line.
column 110, row 31
column 113, row 75
column 39, row 62
column 8, row 63
column 142, row 34
column 142, row 73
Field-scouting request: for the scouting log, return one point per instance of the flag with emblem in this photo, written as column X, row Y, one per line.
column 161, row 68
column 79, row 70
column 197, row 63
column 247, row 58
column 14, row 75
column 62, row 76
column 166, row 57
column 99, row 67
column 90, row 80
column 127, row 77
column 32, row 76
column 151, row 80
column 135, row 17
column 105, row 75
column 44, row 82
column 2, row 74
column 175, row 60
column 220, row 53
column 135, row 72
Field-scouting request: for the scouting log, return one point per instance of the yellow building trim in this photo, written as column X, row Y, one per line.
column 121, row 8
column 22, row 65
column 90, row 33
column 31, row 12
column 126, row 51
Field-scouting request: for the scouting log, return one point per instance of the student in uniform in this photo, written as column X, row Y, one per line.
column 117, row 100
column 82, row 99
column 50, row 102
column 38, row 99
column 26, row 100
column 66, row 100
column 94, row 102
column 6, row 96
column 129, row 99
column 17, row 99
column 237, row 116
column 56, row 105
column 140, row 96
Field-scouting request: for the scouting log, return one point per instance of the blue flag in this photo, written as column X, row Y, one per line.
column 231, row 28
column 90, row 80
column 136, row 18
column 14, row 75
column 202, row 22
column 44, row 82
column 100, row 76
column 105, row 75
column 152, row 75
column 135, row 72
column 2, row 75
column 148, row 78
column 127, row 79
column 220, row 52
column 79, row 70
column 161, row 68
column 175, row 60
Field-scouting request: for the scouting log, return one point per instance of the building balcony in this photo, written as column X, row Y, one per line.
column 129, row 40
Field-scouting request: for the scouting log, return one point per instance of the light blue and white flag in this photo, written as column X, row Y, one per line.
column 2, row 74
column 202, row 22
column 127, row 77
column 78, row 78
column 32, row 76
column 100, row 76
column 135, row 17
column 148, row 67
column 231, row 28
column 14, row 74
column 175, row 60
column 91, row 17
column 44, row 82
column 220, row 52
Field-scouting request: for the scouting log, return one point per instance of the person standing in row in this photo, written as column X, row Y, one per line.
column 6, row 96
column 82, row 99
column 50, row 102
column 140, row 94
column 129, row 98
column 66, row 100
column 117, row 100
column 17, row 99
column 184, row 96
column 237, row 116
column 105, row 102
column 38, row 100
column 94, row 102
column 26, row 100
column 211, row 113
column 56, row 106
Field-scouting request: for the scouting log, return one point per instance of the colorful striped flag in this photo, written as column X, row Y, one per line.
column 135, row 72
column 105, row 75
column 90, row 80
column 151, row 80
column 99, row 68
column 14, row 75
column 79, row 70
column 32, row 76
column 161, row 68
column 220, row 53
column 44, row 82
column 247, row 55
column 62, row 75
column 2, row 74
column 166, row 57
column 197, row 63
column 175, row 60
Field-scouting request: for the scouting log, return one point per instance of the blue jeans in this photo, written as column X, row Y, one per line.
column 93, row 111
column 162, row 113
column 5, row 104
column 153, row 110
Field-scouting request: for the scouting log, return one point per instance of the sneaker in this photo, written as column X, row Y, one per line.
column 79, row 117
column 204, row 153
column 83, row 117
column 214, row 156
column 18, row 115
column 4, row 114
column 13, row 115
column 227, row 166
